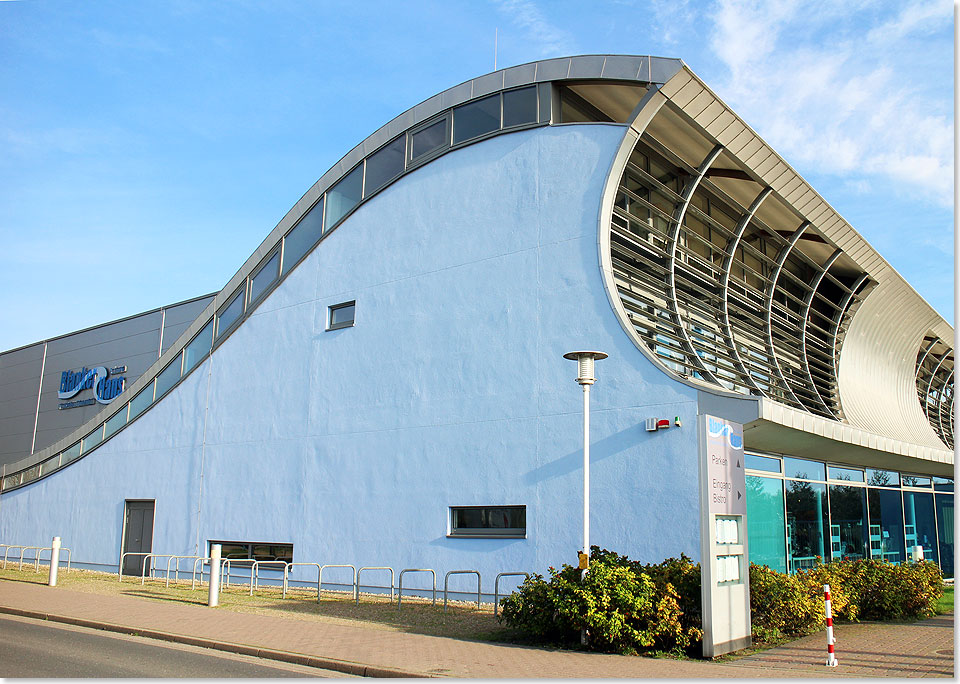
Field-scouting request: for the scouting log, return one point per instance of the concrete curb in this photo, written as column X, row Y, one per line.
column 345, row 666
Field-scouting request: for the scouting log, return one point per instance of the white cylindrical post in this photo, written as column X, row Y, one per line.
column 586, row 475
column 213, row 596
column 54, row 561
column 831, row 656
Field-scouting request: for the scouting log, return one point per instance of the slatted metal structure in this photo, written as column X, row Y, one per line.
column 720, row 295
column 935, row 365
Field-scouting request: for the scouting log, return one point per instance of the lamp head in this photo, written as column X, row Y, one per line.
column 585, row 359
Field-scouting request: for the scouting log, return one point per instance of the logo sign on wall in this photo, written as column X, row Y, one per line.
column 106, row 385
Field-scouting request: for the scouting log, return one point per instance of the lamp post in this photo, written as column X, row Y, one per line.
column 585, row 378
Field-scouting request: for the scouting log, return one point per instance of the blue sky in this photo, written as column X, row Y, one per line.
column 147, row 148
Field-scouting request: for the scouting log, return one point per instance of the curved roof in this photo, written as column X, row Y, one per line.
column 343, row 186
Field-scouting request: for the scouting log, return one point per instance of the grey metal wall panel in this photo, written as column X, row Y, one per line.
column 19, row 382
column 178, row 318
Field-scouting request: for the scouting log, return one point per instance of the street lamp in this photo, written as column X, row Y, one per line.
column 585, row 377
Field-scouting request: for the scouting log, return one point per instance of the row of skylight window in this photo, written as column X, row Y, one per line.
column 464, row 124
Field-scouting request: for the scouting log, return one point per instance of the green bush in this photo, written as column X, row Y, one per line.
column 623, row 609
column 629, row 607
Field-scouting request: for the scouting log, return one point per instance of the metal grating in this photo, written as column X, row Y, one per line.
column 935, row 362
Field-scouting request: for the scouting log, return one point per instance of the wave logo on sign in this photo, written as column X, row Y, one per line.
column 105, row 388
column 718, row 428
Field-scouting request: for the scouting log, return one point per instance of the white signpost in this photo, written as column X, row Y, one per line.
column 725, row 577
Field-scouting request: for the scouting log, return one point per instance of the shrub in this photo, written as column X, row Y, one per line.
column 622, row 608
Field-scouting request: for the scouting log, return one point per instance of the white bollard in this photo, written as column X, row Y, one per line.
column 917, row 553
column 213, row 597
column 831, row 657
column 54, row 561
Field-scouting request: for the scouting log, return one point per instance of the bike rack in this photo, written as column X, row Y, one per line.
column 496, row 588
column 36, row 565
column 200, row 560
column 287, row 570
column 124, row 555
column 446, row 579
column 356, row 586
column 320, row 575
column 7, row 550
column 177, row 568
column 400, row 586
column 23, row 549
column 143, row 573
column 255, row 575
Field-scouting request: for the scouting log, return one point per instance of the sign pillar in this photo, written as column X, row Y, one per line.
column 724, row 565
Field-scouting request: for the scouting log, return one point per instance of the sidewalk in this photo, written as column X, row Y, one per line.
column 870, row 650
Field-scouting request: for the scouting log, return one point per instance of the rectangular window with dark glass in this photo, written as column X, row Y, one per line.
column 343, row 197
column 264, row 277
column 520, row 106
column 476, row 118
column 342, row 315
column 230, row 313
column 243, row 554
column 488, row 521
column 384, row 165
column 429, row 139
column 303, row 237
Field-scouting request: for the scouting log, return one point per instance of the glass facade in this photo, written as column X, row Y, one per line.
column 344, row 196
column 303, row 237
column 798, row 516
column 766, row 529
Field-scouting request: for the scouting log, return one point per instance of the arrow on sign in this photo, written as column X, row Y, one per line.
column 738, row 462
column 739, row 495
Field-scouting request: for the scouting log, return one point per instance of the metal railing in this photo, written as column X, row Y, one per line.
column 255, row 572
column 320, row 576
column 36, row 565
column 356, row 589
column 496, row 588
column 177, row 568
column 7, row 550
column 143, row 572
column 446, row 580
column 286, row 573
column 124, row 555
column 400, row 584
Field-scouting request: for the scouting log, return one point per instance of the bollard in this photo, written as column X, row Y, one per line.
column 831, row 657
column 54, row 561
column 916, row 554
column 213, row 597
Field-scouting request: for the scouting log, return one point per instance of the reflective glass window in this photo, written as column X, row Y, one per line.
column 487, row 521
column 766, row 528
column 303, row 237
column 342, row 315
column 757, row 462
column 919, row 524
column 943, row 484
column 945, row 521
column 848, row 522
column 807, row 524
column 50, row 465
column 915, row 481
column 882, row 478
column 886, row 525
column 850, row 474
column 384, row 165
column 803, row 469
column 519, row 106
column 428, row 139
column 115, row 422
column 31, row 473
column 92, row 440
column 168, row 377
column 476, row 118
column 344, row 196
column 230, row 313
column 140, row 402
column 71, row 453
column 265, row 277
column 198, row 348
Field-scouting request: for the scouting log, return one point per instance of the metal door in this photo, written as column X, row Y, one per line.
column 137, row 535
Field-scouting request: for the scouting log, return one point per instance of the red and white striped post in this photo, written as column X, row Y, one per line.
column 831, row 658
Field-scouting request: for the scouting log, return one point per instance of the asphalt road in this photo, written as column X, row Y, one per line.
column 36, row 648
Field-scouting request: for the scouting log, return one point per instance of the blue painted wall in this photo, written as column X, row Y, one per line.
column 472, row 276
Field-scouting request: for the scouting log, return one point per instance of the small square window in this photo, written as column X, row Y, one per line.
column 341, row 315
column 488, row 521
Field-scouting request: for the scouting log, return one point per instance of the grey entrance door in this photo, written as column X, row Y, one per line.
column 137, row 535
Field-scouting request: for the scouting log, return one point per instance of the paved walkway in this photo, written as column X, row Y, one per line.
column 872, row 650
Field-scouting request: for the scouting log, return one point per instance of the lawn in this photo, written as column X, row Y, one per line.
column 946, row 601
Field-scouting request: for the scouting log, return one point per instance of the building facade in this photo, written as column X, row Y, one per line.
column 382, row 382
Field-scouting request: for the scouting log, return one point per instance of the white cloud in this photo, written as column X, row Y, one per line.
column 528, row 17
column 823, row 81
